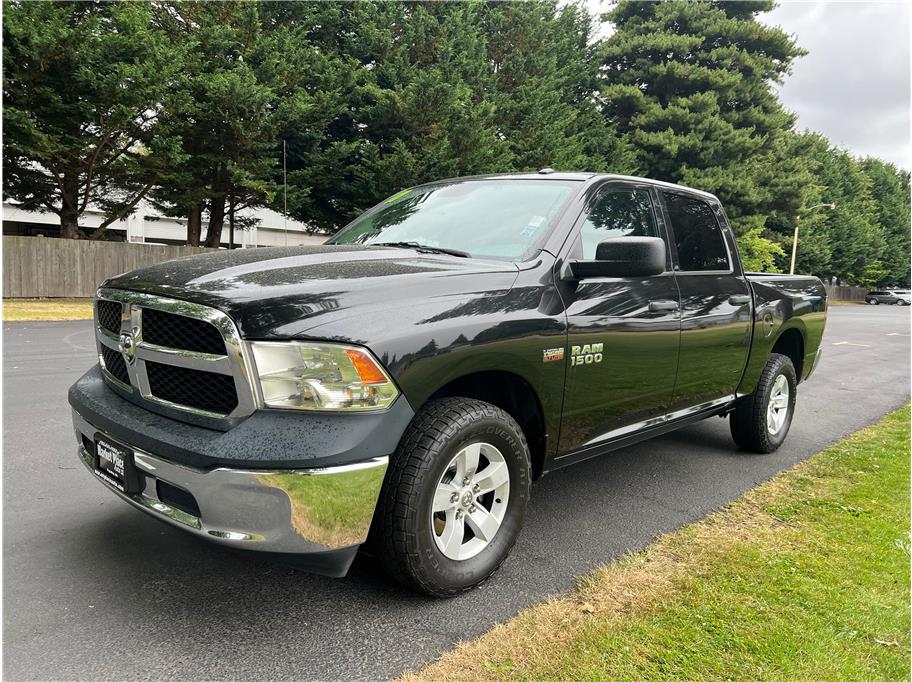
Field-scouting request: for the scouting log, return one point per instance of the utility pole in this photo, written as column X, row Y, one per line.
column 795, row 238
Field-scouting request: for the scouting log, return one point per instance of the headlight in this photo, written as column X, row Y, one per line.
column 320, row 376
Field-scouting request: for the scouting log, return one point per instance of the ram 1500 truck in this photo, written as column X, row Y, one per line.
column 403, row 384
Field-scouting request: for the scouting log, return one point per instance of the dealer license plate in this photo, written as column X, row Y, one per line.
column 114, row 464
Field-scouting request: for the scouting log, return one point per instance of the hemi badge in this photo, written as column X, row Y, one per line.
column 552, row 354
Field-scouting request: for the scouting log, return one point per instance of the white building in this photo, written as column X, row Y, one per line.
column 146, row 225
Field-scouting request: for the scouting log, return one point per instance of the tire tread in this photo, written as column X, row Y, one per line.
column 748, row 420
column 436, row 423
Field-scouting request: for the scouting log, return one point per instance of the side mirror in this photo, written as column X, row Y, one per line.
column 621, row 257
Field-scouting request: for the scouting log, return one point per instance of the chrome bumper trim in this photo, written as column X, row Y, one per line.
column 816, row 362
column 289, row 511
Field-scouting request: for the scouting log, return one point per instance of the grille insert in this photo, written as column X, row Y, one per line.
column 179, row 331
column 109, row 314
column 192, row 388
column 115, row 364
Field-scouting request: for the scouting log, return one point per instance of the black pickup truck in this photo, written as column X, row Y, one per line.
column 403, row 384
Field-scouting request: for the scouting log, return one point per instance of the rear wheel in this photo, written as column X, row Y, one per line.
column 454, row 498
column 873, row 301
column 761, row 420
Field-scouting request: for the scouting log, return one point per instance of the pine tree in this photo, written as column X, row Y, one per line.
column 545, row 77
column 691, row 84
column 224, row 124
column 851, row 231
column 256, row 73
column 890, row 190
column 87, row 102
column 453, row 89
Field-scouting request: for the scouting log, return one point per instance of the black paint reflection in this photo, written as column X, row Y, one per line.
column 715, row 337
column 635, row 378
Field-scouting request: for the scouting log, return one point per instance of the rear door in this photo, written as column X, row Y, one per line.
column 715, row 301
column 622, row 331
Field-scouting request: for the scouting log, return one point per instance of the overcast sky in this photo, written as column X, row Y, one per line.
column 853, row 86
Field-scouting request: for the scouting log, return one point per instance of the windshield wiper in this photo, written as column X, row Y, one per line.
column 423, row 247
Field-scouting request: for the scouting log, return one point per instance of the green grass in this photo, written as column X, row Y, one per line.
column 804, row 578
column 31, row 309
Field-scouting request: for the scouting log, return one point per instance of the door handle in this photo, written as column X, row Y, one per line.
column 739, row 299
column 659, row 306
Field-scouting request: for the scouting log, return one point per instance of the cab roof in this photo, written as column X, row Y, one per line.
column 577, row 176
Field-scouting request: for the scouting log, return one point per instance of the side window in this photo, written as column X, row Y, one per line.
column 618, row 212
column 698, row 237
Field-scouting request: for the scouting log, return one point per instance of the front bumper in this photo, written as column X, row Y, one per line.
column 320, row 515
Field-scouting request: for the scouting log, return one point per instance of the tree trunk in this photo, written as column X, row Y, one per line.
column 69, row 225
column 216, row 221
column 69, row 216
column 194, row 225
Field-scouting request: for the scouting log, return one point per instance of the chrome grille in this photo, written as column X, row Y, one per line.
column 115, row 364
column 180, row 331
column 204, row 390
column 109, row 314
column 174, row 356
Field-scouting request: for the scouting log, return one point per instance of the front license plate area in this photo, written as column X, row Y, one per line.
column 114, row 464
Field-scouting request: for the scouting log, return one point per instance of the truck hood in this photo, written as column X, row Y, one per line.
column 283, row 292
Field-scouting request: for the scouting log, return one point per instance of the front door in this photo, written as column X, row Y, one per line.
column 623, row 332
column 715, row 302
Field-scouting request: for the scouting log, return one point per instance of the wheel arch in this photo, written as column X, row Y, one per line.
column 511, row 393
column 790, row 342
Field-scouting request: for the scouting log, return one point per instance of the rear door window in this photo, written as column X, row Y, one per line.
column 697, row 234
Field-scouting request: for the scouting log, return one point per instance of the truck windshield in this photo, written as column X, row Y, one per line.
column 487, row 218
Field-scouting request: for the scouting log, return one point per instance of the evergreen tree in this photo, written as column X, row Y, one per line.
column 454, row 89
column 545, row 77
column 87, row 89
column 691, row 83
column 853, row 234
column 256, row 72
column 890, row 190
column 418, row 110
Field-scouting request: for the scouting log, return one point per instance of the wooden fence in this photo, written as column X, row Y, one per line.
column 41, row 267
column 837, row 292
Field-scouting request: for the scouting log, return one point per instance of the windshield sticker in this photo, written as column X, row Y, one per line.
column 536, row 220
column 397, row 196
column 527, row 231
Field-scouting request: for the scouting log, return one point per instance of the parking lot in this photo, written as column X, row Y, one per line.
column 94, row 589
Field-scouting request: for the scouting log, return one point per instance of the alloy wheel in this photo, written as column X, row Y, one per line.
column 778, row 407
column 470, row 501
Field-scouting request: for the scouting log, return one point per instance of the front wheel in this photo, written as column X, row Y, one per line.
column 454, row 498
column 761, row 420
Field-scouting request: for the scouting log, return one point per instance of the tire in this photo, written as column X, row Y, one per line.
column 410, row 538
column 753, row 427
column 873, row 301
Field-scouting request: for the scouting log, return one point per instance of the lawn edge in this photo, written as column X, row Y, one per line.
column 631, row 586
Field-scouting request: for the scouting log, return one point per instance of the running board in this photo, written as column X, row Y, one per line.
column 634, row 433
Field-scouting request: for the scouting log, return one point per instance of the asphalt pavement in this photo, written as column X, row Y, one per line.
column 93, row 589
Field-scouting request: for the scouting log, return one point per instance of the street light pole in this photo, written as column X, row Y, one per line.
column 794, row 246
column 795, row 238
